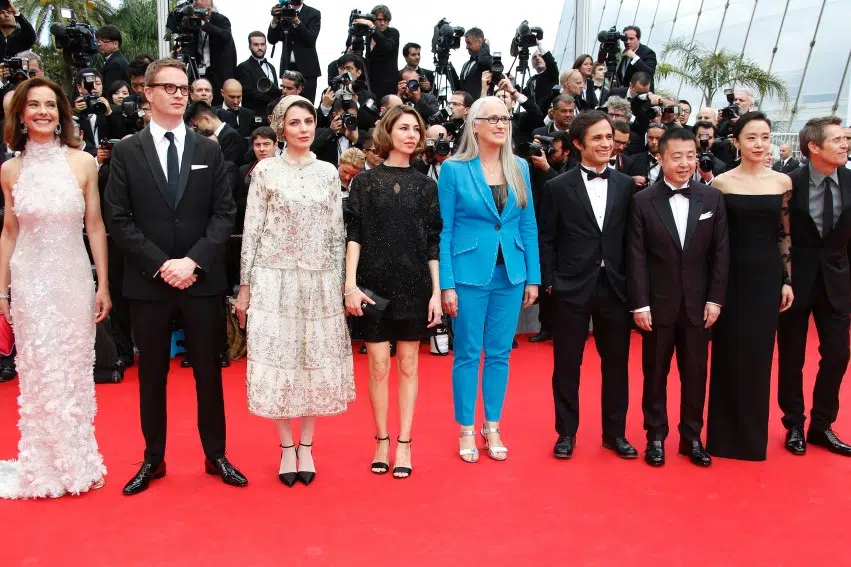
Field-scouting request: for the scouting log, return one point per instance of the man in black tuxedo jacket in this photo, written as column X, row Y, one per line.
column 383, row 53
column 216, row 47
column 595, row 91
column 619, row 161
column 241, row 119
column 16, row 32
column 412, row 53
column 207, row 123
column 114, row 62
column 94, row 126
column 786, row 163
column 470, row 79
column 250, row 71
column 583, row 267
column 298, row 37
column 820, row 223
column 646, row 166
column 635, row 57
column 170, row 211
column 540, row 86
column 678, row 263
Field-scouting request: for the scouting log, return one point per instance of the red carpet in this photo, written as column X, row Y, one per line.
column 594, row 510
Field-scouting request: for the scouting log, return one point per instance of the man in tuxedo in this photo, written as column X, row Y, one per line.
column 480, row 61
column 94, row 125
column 252, row 70
column 564, row 111
column 202, row 89
column 114, row 62
column 382, row 53
column 540, row 85
column 635, row 57
column 705, row 131
column 678, row 263
column 646, row 166
column 820, row 224
column 16, row 32
column 595, row 91
column 170, row 211
column 685, row 112
column 583, row 267
column 786, row 163
column 618, row 161
column 207, row 123
column 237, row 117
column 217, row 49
column 412, row 53
column 424, row 103
column 298, row 38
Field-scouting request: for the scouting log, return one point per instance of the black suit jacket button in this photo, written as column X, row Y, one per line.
column 176, row 221
column 497, row 226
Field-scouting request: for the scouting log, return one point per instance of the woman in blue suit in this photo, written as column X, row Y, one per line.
column 488, row 264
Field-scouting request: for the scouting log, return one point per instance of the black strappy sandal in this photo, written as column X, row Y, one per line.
column 306, row 477
column 379, row 467
column 287, row 478
column 402, row 470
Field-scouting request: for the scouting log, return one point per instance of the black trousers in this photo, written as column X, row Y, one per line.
column 202, row 323
column 657, row 349
column 611, row 335
column 546, row 312
column 120, row 313
column 832, row 327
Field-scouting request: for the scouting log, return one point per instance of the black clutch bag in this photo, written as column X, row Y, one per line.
column 375, row 311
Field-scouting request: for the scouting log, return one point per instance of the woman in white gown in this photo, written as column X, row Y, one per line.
column 50, row 192
column 299, row 351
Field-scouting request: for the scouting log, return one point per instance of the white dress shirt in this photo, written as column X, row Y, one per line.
column 161, row 144
column 266, row 66
column 597, row 189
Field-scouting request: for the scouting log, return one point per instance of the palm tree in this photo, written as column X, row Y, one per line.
column 711, row 71
column 42, row 13
column 137, row 20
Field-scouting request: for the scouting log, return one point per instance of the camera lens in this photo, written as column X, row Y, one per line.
column 413, row 85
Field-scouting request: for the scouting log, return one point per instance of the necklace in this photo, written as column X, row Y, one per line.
column 489, row 169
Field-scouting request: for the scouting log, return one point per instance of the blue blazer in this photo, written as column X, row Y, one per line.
column 473, row 229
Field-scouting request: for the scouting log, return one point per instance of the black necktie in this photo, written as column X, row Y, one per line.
column 594, row 175
column 684, row 192
column 828, row 208
column 172, row 168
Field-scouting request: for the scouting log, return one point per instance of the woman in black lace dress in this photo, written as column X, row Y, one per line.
column 758, row 289
column 393, row 228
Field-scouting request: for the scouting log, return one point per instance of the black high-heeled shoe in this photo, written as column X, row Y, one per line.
column 406, row 471
column 306, row 477
column 379, row 467
column 287, row 478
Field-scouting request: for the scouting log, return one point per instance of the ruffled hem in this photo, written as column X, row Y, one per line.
column 13, row 485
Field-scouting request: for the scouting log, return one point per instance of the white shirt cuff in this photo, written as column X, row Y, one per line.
column 710, row 303
column 634, row 59
column 520, row 97
column 642, row 310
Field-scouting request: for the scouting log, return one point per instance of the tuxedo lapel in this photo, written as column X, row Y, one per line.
column 695, row 209
column 666, row 215
column 481, row 184
column 150, row 151
column 185, row 165
column 611, row 193
column 575, row 178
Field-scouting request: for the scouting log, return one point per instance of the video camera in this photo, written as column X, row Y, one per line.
column 76, row 39
column 349, row 116
column 340, row 81
column 93, row 105
column 526, row 37
column 705, row 158
column 542, row 148
column 497, row 69
column 446, row 38
column 440, row 147
column 358, row 33
column 19, row 70
column 609, row 50
column 188, row 17
column 287, row 9
column 732, row 111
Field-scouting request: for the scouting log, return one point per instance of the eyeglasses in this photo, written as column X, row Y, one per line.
column 381, row 19
column 369, row 150
column 495, row 119
column 171, row 88
column 456, row 104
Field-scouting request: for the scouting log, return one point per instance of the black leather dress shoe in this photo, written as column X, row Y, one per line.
column 541, row 337
column 362, row 349
column 229, row 473
column 224, row 360
column 147, row 473
column 695, row 452
column 621, row 447
column 564, row 447
column 829, row 441
column 7, row 373
column 795, row 443
column 185, row 363
column 514, row 344
column 654, row 455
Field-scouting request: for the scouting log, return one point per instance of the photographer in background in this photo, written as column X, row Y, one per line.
column 217, row 48
column 114, row 62
column 202, row 89
column 408, row 89
column 685, row 111
column 17, row 33
column 523, row 122
column 646, row 169
column 207, row 123
column 620, row 138
column 349, row 79
column 479, row 62
column 237, row 117
column 372, row 157
column 383, row 54
column 708, row 165
column 563, row 112
column 299, row 53
column 257, row 76
column 33, row 61
column 136, row 71
column 540, row 85
column 412, row 53
column 292, row 83
column 635, row 57
column 92, row 108
column 438, row 150
column 342, row 132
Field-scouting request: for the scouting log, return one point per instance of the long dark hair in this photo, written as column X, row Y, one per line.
column 17, row 140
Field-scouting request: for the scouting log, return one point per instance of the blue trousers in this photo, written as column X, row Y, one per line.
column 487, row 318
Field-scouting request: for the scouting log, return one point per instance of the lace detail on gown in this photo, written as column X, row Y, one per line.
column 53, row 316
column 784, row 239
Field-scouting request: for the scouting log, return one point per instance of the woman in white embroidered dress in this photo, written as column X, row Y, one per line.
column 293, row 245
column 50, row 192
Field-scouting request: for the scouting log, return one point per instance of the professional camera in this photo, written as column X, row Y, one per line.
column 611, row 36
column 287, row 12
column 413, row 85
column 76, row 39
column 19, row 69
column 609, row 49
column 188, row 17
column 132, row 116
column 732, row 111
column 360, row 29
column 705, row 159
column 543, row 147
column 439, row 117
column 93, row 106
column 264, row 84
column 497, row 69
column 526, row 37
column 454, row 126
column 446, row 37
column 340, row 81
column 107, row 144
column 349, row 117
column 441, row 146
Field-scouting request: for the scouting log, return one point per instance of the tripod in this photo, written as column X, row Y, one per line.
column 444, row 75
column 609, row 54
column 522, row 77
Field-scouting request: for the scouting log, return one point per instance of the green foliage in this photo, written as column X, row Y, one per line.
column 42, row 13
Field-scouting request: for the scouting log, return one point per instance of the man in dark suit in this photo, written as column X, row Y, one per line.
column 218, row 51
column 678, row 262
column 16, row 32
column 114, row 62
column 94, row 126
column 207, row 123
column 241, row 119
column 583, row 267
column 595, row 91
column 252, row 70
column 382, row 54
column 705, row 133
column 619, row 161
column 646, row 166
column 170, row 211
column 470, row 79
column 820, row 223
column 540, row 86
column 786, row 163
column 412, row 53
column 298, row 38
column 635, row 58
column 564, row 111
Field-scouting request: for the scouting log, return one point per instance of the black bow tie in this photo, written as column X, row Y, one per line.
column 261, row 61
column 686, row 192
column 594, row 175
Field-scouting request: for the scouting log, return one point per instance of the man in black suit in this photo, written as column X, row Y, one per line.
column 646, row 165
column 619, row 161
column 252, row 70
column 424, row 103
column 595, row 91
column 241, row 119
column 786, row 163
column 820, row 223
column 383, row 53
column 298, row 38
column 218, row 51
column 170, row 211
column 412, row 53
column 470, row 80
column 564, row 111
column 635, row 58
column 114, row 62
column 207, row 123
column 583, row 266
column 678, row 262
column 16, row 32
column 705, row 133
column 94, row 125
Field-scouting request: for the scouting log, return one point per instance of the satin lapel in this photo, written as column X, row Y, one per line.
column 575, row 179
column 153, row 160
column 185, row 165
column 666, row 215
column 695, row 209
column 611, row 194
column 482, row 186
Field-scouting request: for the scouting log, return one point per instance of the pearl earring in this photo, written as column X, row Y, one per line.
column 58, row 129
column 24, row 128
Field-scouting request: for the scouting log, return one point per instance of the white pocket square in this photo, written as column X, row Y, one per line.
column 705, row 216
column 194, row 167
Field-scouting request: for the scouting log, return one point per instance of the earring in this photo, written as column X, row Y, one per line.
column 58, row 129
column 24, row 128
